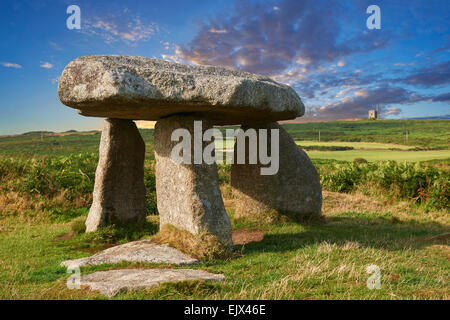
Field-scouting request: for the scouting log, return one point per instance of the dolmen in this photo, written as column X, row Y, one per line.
column 177, row 96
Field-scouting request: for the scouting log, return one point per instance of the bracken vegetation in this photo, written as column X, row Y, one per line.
column 62, row 185
column 424, row 184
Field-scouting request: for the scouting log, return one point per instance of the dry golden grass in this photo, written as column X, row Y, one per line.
column 203, row 246
column 28, row 208
column 335, row 203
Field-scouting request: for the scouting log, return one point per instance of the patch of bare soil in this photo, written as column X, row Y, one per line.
column 241, row 237
column 65, row 236
column 441, row 237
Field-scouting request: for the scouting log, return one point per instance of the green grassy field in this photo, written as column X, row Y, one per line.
column 34, row 144
column 424, row 133
column 355, row 145
column 377, row 155
column 293, row 261
column 392, row 215
column 369, row 135
column 371, row 151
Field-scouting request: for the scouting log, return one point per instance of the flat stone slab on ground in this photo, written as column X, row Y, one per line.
column 112, row 282
column 139, row 88
column 136, row 251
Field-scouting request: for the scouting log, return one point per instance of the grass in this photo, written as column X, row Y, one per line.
column 424, row 133
column 354, row 145
column 381, row 155
column 294, row 261
column 45, row 192
column 60, row 144
column 421, row 133
column 371, row 140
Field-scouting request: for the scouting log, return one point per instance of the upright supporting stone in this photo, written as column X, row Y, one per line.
column 119, row 191
column 295, row 188
column 188, row 195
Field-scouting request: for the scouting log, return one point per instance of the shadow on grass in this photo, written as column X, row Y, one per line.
column 106, row 237
column 381, row 233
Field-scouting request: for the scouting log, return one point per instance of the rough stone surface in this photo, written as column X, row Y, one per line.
column 112, row 282
column 295, row 188
column 149, row 89
column 119, row 190
column 136, row 251
column 188, row 195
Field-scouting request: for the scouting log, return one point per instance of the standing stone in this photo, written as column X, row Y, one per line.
column 295, row 188
column 188, row 195
column 119, row 191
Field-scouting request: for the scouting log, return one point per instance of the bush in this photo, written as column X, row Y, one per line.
column 48, row 176
column 360, row 160
column 73, row 176
column 64, row 184
column 425, row 184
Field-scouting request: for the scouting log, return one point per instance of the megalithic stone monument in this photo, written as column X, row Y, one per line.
column 137, row 88
column 119, row 190
column 295, row 188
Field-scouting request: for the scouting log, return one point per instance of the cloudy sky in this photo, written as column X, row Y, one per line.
column 323, row 49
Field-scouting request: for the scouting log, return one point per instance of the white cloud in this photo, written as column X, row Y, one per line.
column 166, row 44
column 343, row 92
column 175, row 57
column 11, row 65
column 394, row 111
column 55, row 46
column 303, row 60
column 341, row 63
column 46, row 65
column 403, row 64
column 214, row 30
column 115, row 29
column 361, row 93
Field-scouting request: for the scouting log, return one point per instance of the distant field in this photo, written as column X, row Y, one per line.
column 371, row 151
column 61, row 144
column 229, row 143
column 376, row 155
column 424, row 133
column 367, row 150
column 370, row 139
column 355, row 145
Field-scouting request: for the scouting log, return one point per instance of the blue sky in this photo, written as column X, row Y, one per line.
column 323, row 49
